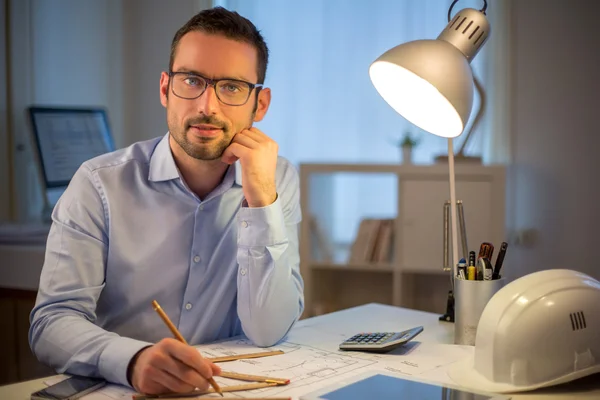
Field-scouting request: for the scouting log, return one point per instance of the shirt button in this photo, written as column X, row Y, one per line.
column 201, row 207
column 244, row 224
column 197, row 259
column 243, row 271
column 188, row 306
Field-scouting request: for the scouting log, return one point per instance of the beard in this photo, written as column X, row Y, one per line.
column 210, row 148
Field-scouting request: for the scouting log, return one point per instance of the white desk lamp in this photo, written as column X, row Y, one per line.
column 430, row 83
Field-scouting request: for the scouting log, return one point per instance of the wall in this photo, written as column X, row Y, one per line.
column 5, row 160
column 101, row 53
column 554, row 181
column 63, row 52
column 148, row 28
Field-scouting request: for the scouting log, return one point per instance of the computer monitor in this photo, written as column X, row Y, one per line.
column 65, row 137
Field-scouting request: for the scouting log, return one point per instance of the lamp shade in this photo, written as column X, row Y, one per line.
column 429, row 82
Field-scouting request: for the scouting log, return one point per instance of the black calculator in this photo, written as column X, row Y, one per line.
column 379, row 342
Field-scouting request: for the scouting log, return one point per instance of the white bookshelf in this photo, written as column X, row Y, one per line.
column 414, row 276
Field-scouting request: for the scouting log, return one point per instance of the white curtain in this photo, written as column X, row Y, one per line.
column 324, row 107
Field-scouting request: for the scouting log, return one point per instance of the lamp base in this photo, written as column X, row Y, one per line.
column 459, row 159
column 449, row 316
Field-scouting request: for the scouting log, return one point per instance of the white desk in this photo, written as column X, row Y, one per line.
column 380, row 317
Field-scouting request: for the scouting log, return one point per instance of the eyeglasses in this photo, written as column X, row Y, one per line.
column 190, row 86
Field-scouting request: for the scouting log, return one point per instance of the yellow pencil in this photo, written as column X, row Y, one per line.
column 196, row 393
column 176, row 333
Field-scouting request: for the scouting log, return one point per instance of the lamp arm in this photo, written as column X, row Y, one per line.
column 478, row 115
column 453, row 212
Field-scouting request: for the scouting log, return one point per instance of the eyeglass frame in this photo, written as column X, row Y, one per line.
column 213, row 83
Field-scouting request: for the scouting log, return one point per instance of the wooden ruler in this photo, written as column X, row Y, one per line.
column 220, row 398
column 245, row 356
column 196, row 393
column 254, row 378
column 247, row 386
column 186, row 397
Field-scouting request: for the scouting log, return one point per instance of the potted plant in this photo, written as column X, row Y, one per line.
column 406, row 144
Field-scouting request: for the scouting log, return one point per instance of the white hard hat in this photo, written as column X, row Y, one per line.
column 540, row 330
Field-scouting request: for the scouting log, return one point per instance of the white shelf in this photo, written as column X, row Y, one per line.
column 379, row 267
column 414, row 278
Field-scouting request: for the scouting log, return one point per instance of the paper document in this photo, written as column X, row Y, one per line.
column 312, row 361
column 309, row 367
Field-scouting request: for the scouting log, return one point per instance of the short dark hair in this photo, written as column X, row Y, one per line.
column 230, row 24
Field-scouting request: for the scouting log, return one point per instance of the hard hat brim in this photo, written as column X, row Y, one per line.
column 464, row 374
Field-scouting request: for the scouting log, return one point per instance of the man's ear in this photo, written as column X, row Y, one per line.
column 164, row 88
column 262, row 104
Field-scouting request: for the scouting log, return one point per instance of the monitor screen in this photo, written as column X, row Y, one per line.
column 66, row 137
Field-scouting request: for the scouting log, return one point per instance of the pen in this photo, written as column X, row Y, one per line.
column 471, row 274
column 499, row 260
column 176, row 333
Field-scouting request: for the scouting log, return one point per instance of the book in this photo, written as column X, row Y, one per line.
column 362, row 249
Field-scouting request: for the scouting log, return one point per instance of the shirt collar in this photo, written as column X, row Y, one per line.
column 238, row 172
column 162, row 164
column 163, row 167
column 233, row 175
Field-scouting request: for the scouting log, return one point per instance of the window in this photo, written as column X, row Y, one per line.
column 324, row 107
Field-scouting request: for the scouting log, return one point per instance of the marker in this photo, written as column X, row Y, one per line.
column 471, row 268
column 487, row 269
column 486, row 250
column 462, row 269
column 480, row 268
column 499, row 260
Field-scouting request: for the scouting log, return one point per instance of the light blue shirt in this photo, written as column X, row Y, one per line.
column 128, row 231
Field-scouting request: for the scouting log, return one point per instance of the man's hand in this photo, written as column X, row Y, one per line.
column 171, row 366
column 258, row 155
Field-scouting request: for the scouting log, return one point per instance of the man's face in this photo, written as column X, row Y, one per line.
column 204, row 127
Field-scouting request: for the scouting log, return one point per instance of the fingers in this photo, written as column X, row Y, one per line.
column 246, row 140
column 188, row 356
column 256, row 135
column 216, row 370
column 177, row 373
column 172, row 384
column 234, row 152
column 171, row 366
column 148, row 376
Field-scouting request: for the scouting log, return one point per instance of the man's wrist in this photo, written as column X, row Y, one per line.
column 265, row 202
column 131, row 365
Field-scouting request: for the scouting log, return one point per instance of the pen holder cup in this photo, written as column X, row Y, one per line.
column 470, row 298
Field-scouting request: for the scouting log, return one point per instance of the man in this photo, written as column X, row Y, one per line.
column 204, row 220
